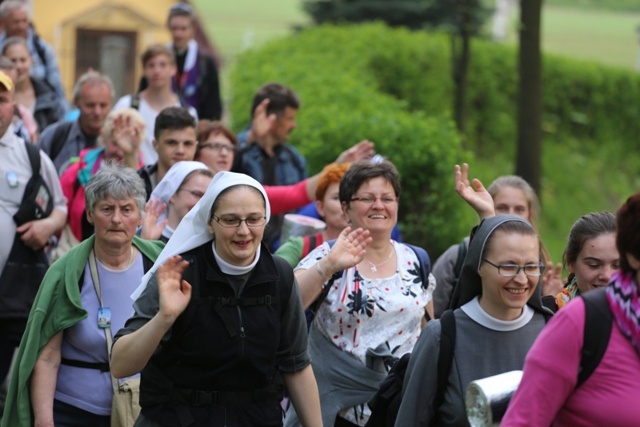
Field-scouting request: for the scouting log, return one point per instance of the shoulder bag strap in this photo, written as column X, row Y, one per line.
column 445, row 355
column 107, row 331
column 597, row 331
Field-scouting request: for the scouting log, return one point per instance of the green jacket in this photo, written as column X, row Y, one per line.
column 56, row 307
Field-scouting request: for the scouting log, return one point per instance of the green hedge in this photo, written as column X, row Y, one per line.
column 342, row 103
column 393, row 86
column 582, row 99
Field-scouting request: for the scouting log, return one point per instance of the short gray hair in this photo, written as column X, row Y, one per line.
column 9, row 5
column 117, row 181
column 93, row 78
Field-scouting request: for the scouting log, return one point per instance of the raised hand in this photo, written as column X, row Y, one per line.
column 174, row 292
column 151, row 229
column 127, row 134
column 349, row 249
column 552, row 282
column 261, row 123
column 477, row 196
column 361, row 151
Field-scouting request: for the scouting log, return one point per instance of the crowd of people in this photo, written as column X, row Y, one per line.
column 145, row 255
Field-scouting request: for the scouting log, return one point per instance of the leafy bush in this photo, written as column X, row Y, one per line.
column 393, row 86
column 342, row 103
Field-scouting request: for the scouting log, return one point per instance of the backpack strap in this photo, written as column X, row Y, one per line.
column 39, row 49
column 597, row 331
column 445, row 355
column 34, row 158
column 457, row 268
column 425, row 262
column 135, row 101
column 59, row 138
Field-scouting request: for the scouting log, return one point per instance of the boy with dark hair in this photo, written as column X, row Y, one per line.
column 174, row 140
column 158, row 64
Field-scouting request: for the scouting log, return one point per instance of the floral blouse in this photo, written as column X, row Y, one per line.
column 360, row 313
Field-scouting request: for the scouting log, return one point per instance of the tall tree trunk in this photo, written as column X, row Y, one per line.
column 528, row 158
column 461, row 57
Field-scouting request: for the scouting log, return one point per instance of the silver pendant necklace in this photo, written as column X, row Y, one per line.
column 374, row 267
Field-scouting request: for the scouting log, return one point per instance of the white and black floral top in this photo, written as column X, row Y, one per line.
column 360, row 313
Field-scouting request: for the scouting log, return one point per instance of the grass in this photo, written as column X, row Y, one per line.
column 604, row 36
column 239, row 24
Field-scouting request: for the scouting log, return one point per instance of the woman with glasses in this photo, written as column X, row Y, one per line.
column 499, row 317
column 373, row 307
column 508, row 194
column 179, row 191
column 554, row 390
column 220, row 325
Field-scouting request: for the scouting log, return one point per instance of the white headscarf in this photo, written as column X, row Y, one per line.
column 193, row 230
column 174, row 178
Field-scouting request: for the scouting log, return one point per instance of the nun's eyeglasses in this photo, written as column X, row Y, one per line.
column 512, row 270
column 231, row 222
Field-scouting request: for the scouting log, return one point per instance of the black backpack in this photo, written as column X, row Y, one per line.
column 385, row 404
column 597, row 331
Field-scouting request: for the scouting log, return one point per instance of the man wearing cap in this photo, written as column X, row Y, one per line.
column 31, row 211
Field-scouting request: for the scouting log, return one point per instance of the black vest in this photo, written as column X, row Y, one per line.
column 220, row 363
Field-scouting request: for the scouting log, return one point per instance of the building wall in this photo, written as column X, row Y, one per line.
column 57, row 23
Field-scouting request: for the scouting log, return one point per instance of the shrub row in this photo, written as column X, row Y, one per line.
column 393, row 86
column 342, row 103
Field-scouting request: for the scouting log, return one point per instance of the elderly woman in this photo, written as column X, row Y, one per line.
column 216, row 280
column 554, row 389
column 34, row 94
column 499, row 317
column 121, row 136
column 181, row 188
column 375, row 298
column 62, row 370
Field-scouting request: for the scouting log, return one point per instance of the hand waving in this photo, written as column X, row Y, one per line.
column 174, row 292
column 151, row 229
column 349, row 249
column 477, row 196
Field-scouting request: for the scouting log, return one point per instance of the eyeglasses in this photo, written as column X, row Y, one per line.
column 219, row 147
column 369, row 200
column 230, row 222
column 194, row 193
column 512, row 270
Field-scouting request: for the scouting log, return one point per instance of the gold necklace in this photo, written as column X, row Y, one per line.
column 374, row 267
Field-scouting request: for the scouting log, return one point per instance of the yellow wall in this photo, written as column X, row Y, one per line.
column 56, row 22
